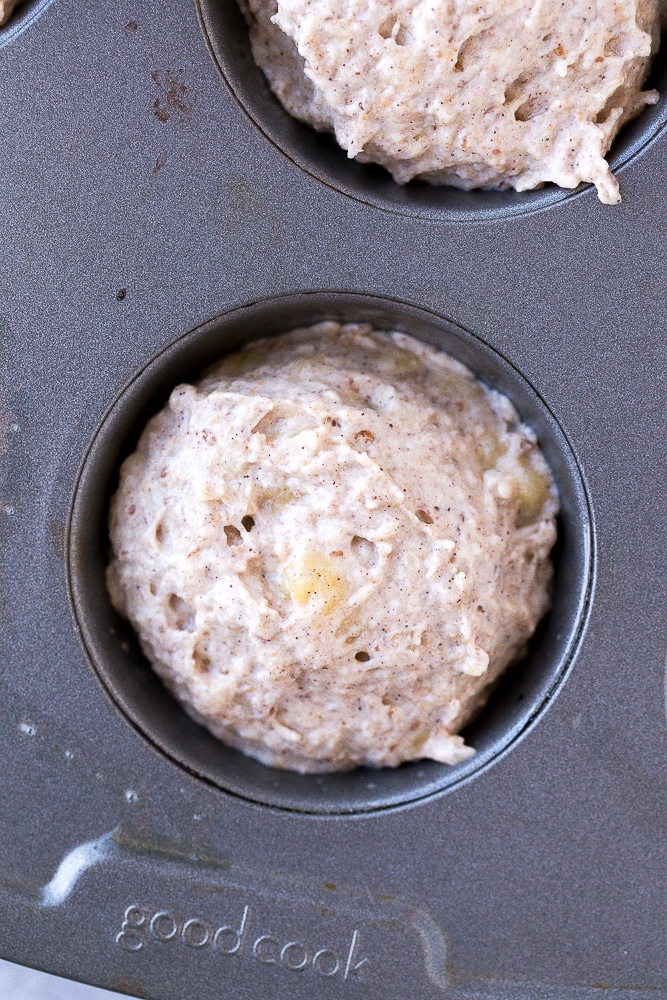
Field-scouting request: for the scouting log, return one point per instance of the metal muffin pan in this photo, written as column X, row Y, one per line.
column 149, row 223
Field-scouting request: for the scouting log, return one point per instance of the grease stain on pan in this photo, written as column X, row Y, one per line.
column 175, row 98
column 7, row 424
column 8, row 428
column 57, row 533
column 22, row 18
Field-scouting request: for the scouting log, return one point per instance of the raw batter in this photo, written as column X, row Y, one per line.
column 332, row 546
column 496, row 94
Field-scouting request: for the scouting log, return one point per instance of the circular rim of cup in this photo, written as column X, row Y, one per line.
column 319, row 155
column 23, row 16
column 523, row 693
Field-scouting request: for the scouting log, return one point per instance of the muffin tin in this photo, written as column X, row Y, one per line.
column 159, row 208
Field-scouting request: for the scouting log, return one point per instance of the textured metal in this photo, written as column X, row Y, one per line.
column 147, row 221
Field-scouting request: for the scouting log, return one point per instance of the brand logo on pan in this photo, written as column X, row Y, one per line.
column 142, row 927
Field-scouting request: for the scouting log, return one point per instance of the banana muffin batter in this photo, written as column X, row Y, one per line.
column 332, row 546
column 7, row 8
column 497, row 94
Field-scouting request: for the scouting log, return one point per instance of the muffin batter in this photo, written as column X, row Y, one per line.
column 331, row 547
column 458, row 92
column 7, row 8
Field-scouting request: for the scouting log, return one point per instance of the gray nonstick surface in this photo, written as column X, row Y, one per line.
column 159, row 208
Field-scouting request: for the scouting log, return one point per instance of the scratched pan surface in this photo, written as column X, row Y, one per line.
column 157, row 208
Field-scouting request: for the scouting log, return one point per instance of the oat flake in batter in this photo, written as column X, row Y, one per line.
column 506, row 93
column 331, row 547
